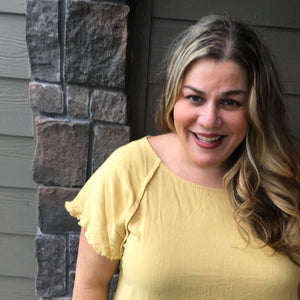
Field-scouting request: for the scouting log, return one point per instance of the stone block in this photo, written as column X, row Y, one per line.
column 56, row 298
column 78, row 101
column 53, row 217
column 73, row 250
column 43, row 39
column 109, row 106
column 107, row 138
column 96, row 40
column 113, row 286
column 61, row 152
column 50, row 251
column 71, row 281
column 47, row 98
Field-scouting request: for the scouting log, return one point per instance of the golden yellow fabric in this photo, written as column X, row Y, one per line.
column 175, row 239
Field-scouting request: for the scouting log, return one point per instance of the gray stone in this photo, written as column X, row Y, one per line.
column 43, row 40
column 73, row 250
column 78, row 101
column 47, row 98
column 110, row 106
column 114, row 1
column 53, row 217
column 96, row 40
column 50, row 251
column 71, row 280
column 61, row 152
column 113, row 286
column 107, row 138
column 56, row 298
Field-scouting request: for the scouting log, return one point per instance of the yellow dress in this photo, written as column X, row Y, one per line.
column 175, row 239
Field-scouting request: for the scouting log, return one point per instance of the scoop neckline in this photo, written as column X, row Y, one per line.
column 176, row 176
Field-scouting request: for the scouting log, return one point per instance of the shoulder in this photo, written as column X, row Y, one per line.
column 129, row 164
column 134, row 154
column 123, row 173
column 162, row 144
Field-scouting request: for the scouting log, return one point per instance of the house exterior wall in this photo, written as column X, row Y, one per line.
column 77, row 52
column 17, row 189
column 276, row 21
column 65, row 101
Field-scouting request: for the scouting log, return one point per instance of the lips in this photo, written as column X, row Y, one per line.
column 208, row 141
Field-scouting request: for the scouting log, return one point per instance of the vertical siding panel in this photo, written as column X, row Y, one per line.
column 139, row 40
column 278, row 13
column 278, row 22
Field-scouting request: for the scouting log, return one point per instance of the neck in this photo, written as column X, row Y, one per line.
column 180, row 164
column 211, row 177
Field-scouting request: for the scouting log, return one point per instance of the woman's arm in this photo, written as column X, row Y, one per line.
column 93, row 272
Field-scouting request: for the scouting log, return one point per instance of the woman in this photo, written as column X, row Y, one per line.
column 210, row 208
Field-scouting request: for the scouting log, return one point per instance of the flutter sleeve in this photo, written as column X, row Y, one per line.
column 102, row 206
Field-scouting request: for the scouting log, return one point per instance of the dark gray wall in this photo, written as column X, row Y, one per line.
column 161, row 20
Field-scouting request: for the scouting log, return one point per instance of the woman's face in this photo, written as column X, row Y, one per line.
column 210, row 112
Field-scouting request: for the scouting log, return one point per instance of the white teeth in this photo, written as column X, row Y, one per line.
column 208, row 139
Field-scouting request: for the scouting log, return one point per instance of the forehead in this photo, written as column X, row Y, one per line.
column 208, row 71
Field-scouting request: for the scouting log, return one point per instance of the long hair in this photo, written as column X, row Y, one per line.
column 263, row 172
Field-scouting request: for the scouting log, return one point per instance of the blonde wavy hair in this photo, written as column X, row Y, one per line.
column 263, row 172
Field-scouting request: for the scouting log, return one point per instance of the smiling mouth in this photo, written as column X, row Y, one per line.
column 208, row 140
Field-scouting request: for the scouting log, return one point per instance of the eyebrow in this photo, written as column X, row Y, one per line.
column 227, row 93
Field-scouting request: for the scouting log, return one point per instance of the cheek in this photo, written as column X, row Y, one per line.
column 182, row 114
column 178, row 115
column 238, row 124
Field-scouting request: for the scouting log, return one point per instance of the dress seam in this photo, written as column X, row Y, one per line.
column 140, row 195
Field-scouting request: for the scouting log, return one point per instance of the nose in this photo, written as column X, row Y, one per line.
column 209, row 116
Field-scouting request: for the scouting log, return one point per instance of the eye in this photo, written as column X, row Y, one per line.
column 195, row 98
column 230, row 103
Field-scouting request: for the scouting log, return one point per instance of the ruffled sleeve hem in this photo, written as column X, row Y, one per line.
column 85, row 222
column 111, row 196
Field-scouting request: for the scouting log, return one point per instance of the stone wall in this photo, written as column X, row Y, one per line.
column 77, row 51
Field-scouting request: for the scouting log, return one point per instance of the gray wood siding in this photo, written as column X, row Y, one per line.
column 275, row 13
column 15, row 288
column 17, row 204
column 15, row 111
column 277, row 21
column 137, row 75
column 13, row 6
column 13, row 51
column 16, row 158
column 18, row 251
column 18, row 222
